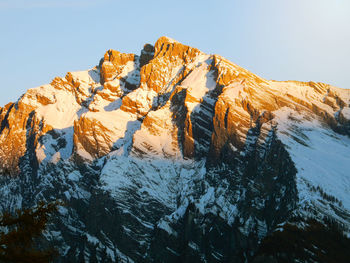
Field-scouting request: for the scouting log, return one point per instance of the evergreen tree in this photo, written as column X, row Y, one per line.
column 21, row 230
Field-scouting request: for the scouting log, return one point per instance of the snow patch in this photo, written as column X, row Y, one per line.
column 309, row 143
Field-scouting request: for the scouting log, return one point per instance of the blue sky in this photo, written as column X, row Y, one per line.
column 276, row 39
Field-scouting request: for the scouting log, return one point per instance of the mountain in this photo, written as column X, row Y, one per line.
column 176, row 156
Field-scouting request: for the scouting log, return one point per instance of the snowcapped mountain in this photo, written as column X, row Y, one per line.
column 175, row 156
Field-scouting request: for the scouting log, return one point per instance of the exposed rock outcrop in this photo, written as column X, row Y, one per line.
column 180, row 156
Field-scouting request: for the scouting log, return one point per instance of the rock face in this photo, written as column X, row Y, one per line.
column 175, row 156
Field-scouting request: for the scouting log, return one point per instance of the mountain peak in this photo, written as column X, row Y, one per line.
column 174, row 78
column 165, row 39
column 171, row 138
column 165, row 46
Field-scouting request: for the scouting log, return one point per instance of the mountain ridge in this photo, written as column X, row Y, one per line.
column 169, row 144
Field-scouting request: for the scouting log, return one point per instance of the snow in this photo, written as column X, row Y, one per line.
column 161, row 177
column 165, row 226
column 74, row 176
column 90, row 76
column 64, row 111
column 61, row 114
column 173, row 251
column 131, row 73
column 158, row 134
column 217, row 255
column 93, row 240
column 117, row 129
column 321, row 156
column 172, row 183
column 194, row 246
column 303, row 92
column 346, row 113
column 56, row 157
column 67, row 195
column 155, row 179
column 119, row 121
column 143, row 98
column 169, row 40
column 114, row 105
column 47, row 150
column 124, row 144
column 200, row 80
column 207, row 199
column 83, row 153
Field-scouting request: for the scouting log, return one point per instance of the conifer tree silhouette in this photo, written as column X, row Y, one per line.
column 19, row 232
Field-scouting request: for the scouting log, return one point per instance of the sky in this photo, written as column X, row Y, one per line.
column 276, row 39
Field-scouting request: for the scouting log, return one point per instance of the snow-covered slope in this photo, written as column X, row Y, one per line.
column 175, row 155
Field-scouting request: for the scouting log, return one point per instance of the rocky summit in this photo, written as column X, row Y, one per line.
column 175, row 155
